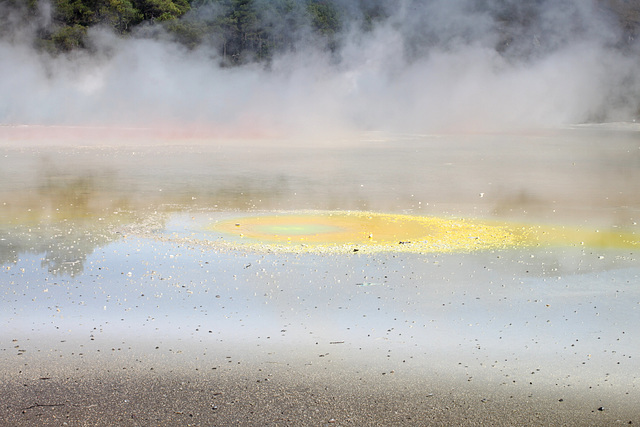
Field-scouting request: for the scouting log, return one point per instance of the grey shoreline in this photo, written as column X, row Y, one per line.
column 247, row 389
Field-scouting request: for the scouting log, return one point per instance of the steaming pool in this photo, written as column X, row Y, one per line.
column 508, row 262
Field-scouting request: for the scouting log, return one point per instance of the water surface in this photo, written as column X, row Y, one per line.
column 105, row 242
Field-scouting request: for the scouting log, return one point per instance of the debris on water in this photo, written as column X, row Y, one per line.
column 369, row 284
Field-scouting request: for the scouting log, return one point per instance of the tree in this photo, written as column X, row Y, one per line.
column 68, row 38
column 324, row 17
column 76, row 12
column 239, row 26
column 120, row 14
column 162, row 10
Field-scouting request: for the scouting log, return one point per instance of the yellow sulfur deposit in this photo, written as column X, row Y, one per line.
column 367, row 231
column 375, row 232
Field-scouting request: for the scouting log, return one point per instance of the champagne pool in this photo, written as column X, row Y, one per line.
column 374, row 232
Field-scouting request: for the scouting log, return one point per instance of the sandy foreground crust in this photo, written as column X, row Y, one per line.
column 290, row 387
column 244, row 398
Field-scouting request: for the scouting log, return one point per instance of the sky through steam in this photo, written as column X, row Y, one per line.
column 429, row 66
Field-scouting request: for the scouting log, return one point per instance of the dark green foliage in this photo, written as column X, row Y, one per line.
column 188, row 33
column 162, row 10
column 239, row 28
column 76, row 12
column 325, row 17
column 69, row 38
column 255, row 30
column 120, row 14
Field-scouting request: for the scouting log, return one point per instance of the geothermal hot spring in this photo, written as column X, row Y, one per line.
column 404, row 213
column 507, row 262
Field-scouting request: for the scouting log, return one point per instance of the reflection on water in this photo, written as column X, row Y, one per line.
column 61, row 213
column 66, row 200
column 63, row 246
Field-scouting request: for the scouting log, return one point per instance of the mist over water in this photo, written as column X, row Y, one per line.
column 433, row 66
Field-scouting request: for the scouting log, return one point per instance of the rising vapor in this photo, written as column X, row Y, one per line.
column 432, row 66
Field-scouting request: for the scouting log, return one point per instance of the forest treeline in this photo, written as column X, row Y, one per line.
column 254, row 30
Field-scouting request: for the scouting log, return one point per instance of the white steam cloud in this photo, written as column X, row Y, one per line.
column 437, row 66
